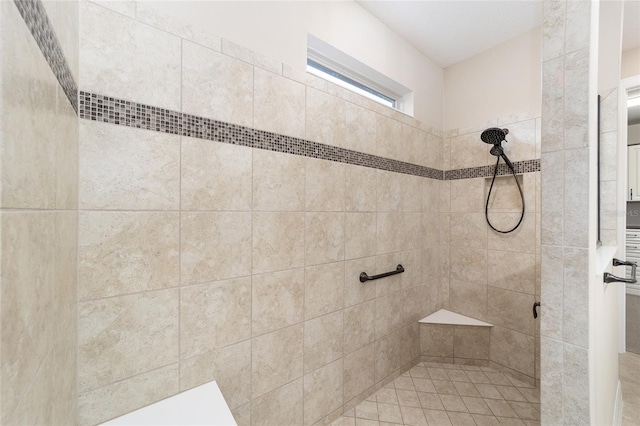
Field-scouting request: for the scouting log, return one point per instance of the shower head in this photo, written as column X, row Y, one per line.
column 494, row 135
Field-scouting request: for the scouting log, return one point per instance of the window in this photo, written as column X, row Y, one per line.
column 327, row 73
column 329, row 63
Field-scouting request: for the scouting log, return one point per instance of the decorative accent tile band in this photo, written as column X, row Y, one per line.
column 526, row 166
column 107, row 109
column 117, row 111
column 35, row 16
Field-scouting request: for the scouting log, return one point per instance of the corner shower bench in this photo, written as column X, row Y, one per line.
column 452, row 338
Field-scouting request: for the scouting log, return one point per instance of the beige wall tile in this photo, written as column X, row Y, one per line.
column 359, row 371
column 471, row 342
column 411, row 193
column 553, row 30
column 278, row 241
column 278, row 300
column 511, row 310
column 216, row 86
column 468, row 230
column 476, row 153
column 125, row 7
column 387, row 354
column 513, row 350
column 413, row 269
column 276, row 359
column 388, row 314
column 360, row 240
column 551, row 376
column 242, row 415
column 552, row 198
column 127, row 168
column 215, row 246
column 283, row 406
column 414, row 146
column 65, row 281
column 436, row 340
column 67, row 144
column 389, row 237
column 444, row 224
column 49, row 398
column 359, row 322
column 512, row 271
column 279, row 104
column 431, row 195
column 325, row 118
column 413, row 304
column 552, row 105
column 122, row 397
column 215, row 176
column 325, row 185
column 324, row 235
column 521, row 141
column 468, row 195
column 278, row 181
column 323, row 391
column 505, row 196
column 123, row 336
column 28, row 292
column 388, row 137
column 323, row 340
column 469, row 264
column 240, row 52
column 111, row 42
column 436, row 149
column 127, row 252
column 214, row 315
column 576, row 96
column 575, row 297
column 166, row 20
column 360, row 189
column 389, row 191
column 361, row 129
column 354, row 291
column 230, row 367
column 521, row 240
column 468, row 298
column 576, row 384
column 576, row 200
column 324, row 289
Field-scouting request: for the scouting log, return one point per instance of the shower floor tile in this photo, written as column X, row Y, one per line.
column 448, row 395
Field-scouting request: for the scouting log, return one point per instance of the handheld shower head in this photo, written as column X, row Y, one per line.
column 494, row 135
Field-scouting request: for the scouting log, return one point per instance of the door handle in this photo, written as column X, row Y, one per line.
column 610, row 278
column 634, row 265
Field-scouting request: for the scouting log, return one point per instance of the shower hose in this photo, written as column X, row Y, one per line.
column 486, row 207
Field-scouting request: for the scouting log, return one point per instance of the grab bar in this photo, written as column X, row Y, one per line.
column 364, row 277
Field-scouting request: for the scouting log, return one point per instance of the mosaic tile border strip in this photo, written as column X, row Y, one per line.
column 38, row 23
column 526, row 166
column 131, row 114
column 111, row 110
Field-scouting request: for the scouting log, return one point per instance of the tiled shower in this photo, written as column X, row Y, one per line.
column 207, row 212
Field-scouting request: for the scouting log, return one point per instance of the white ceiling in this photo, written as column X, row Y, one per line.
column 448, row 31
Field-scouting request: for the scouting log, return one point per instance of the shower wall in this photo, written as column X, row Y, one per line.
column 38, row 212
column 488, row 275
column 491, row 276
column 203, row 259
